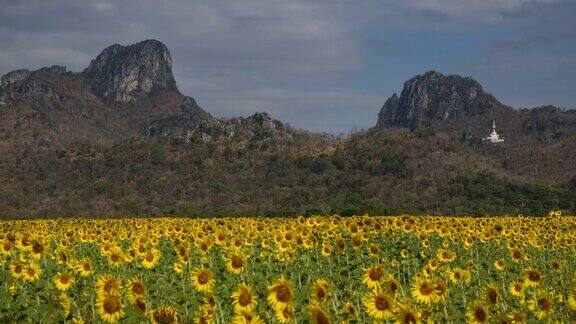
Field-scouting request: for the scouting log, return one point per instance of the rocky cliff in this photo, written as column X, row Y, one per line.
column 192, row 128
column 131, row 73
column 435, row 97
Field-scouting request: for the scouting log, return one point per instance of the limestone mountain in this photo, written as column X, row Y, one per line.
column 119, row 138
column 459, row 107
column 131, row 73
column 432, row 97
column 116, row 97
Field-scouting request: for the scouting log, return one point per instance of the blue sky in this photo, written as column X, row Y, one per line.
column 318, row 65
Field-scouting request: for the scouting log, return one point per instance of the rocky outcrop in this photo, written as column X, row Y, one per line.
column 14, row 77
column 131, row 73
column 192, row 115
column 194, row 127
column 54, row 69
column 548, row 123
column 434, row 97
column 40, row 88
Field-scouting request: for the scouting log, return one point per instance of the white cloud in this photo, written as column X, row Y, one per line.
column 469, row 10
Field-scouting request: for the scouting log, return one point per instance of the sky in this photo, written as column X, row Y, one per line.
column 324, row 66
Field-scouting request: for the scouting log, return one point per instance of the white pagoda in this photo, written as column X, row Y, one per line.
column 494, row 136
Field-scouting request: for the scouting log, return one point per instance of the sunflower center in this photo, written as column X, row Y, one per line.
column 351, row 310
column 149, row 257
column 138, row 288
column 86, row 267
column 109, row 285
column 409, row 318
column 321, row 318
column 114, row 258
column 141, row 305
column 287, row 312
column 543, row 304
column 37, row 247
column 31, row 272
column 376, row 273
column 111, row 304
column 64, row 279
column 381, row 303
column 283, row 293
column 517, row 288
column 492, row 296
column 203, row 278
column 165, row 316
column 480, row 314
column 244, row 299
column 534, row 276
column 320, row 293
column 425, row 289
column 237, row 262
column 393, row 286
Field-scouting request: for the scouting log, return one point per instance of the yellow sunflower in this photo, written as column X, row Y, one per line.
column 541, row 304
column 135, row 289
column 165, row 315
column 280, row 293
column 116, row 257
column 477, row 313
column 500, row 265
column 373, row 250
column 245, row 317
column 84, row 267
column 349, row 310
column 446, row 255
column 151, row 258
column 379, row 305
column 108, row 285
column 285, row 313
column 31, row 272
column 373, row 275
column 516, row 289
column 110, row 308
column 63, row 281
column 407, row 315
column 533, row 277
column 459, row 276
column 140, row 306
column 244, row 299
column 16, row 269
column 66, row 303
column 236, row 263
column 424, row 290
column 318, row 315
column 491, row 295
column 205, row 315
column 320, row 290
column 202, row 279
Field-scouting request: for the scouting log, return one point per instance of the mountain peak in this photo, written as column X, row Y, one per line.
column 131, row 73
column 434, row 96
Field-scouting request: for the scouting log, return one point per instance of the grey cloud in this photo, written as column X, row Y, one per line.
column 291, row 58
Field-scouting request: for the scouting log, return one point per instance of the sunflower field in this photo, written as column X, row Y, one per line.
column 361, row 269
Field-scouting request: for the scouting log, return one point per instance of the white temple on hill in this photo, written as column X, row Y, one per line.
column 494, row 137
